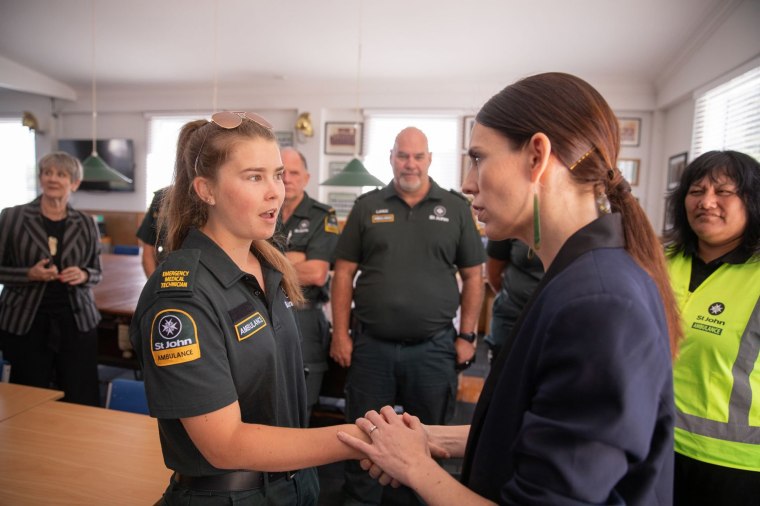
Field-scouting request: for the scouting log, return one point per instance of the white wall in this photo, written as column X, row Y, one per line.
column 122, row 113
column 666, row 109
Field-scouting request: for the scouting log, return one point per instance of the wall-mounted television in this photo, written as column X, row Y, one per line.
column 117, row 153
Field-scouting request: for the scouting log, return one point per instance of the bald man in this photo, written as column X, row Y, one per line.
column 408, row 240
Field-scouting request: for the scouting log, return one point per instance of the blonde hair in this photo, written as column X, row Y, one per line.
column 202, row 148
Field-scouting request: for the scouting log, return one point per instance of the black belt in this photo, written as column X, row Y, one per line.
column 230, row 482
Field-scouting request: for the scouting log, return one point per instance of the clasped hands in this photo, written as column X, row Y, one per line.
column 45, row 270
column 400, row 445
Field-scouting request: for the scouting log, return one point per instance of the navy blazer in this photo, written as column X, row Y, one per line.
column 23, row 243
column 580, row 411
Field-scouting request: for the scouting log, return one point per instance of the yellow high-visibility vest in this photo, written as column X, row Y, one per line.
column 716, row 377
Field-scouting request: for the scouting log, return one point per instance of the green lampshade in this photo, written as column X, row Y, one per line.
column 353, row 174
column 97, row 171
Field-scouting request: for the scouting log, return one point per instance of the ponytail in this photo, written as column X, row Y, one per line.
column 642, row 243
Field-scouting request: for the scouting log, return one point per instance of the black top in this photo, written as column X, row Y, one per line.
column 700, row 270
column 207, row 335
column 56, row 297
column 312, row 229
column 408, row 258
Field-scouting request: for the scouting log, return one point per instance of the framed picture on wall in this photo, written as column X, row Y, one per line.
column 467, row 124
column 343, row 138
column 630, row 131
column 463, row 170
column 284, row 138
column 667, row 221
column 676, row 165
column 335, row 168
column 629, row 167
column 342, row 202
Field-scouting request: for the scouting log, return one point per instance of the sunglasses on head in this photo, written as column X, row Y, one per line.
column 229, row 120
column 233, row 119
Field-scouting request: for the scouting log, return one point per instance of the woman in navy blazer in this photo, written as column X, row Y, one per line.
column 49, row 261
column 580, row 409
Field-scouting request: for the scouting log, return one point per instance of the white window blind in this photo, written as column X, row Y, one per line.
column 163, row 132
column 18, row 159
column 444, row 139
column 728, row 117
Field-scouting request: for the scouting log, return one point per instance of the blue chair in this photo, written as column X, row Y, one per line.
column 127, row 395
column 126, row 249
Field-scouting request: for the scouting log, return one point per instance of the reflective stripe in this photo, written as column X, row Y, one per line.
column 717, row 430
column 741, row 394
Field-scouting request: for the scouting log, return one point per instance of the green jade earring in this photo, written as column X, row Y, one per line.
column 536, row 223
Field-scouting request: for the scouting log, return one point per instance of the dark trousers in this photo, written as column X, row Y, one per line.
column 54, row 353
column 698, row 483
column 302, row 490
column 420, row 377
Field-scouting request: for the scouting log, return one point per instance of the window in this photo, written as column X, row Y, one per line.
column 444, row 141
column 728, row 117
column 18, row 158
column 163, row 132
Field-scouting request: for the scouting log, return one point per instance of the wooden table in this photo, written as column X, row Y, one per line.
column 61, row 453
column 116, row 298
column 123, row 280
column 15, row 399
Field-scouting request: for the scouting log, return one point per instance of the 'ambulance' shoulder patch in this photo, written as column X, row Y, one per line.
column 249, row 325
column 174, row 338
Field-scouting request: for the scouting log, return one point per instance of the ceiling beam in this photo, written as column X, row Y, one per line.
column 14, row 76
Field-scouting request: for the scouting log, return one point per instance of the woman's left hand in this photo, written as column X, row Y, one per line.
column 399, row 443
column 73, row 276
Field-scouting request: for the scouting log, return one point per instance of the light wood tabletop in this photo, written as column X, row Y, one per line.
column 62, row 453
column 15, row 399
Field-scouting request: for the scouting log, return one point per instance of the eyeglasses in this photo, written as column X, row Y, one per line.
column 229, row 120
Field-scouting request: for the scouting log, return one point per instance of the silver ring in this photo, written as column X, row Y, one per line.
column 374, row 427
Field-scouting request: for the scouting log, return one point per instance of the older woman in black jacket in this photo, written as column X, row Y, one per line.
column 48, row 263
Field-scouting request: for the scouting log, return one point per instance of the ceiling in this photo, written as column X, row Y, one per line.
column 168, row 43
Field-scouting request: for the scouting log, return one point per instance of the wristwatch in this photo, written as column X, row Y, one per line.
column 470, row 337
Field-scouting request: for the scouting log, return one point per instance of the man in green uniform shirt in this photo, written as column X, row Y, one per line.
column 311, row 232
column 408, row 239
column 147, row 234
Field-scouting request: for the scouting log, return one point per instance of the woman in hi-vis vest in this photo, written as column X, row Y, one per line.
column 714, row 266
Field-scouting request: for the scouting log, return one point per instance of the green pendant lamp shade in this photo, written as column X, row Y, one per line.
column 96, row 170
column 353, row 174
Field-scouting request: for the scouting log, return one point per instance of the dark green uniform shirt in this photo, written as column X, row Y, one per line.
column 408, row 257
column 206, row 336
column 312, row 229
column 147, row 232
